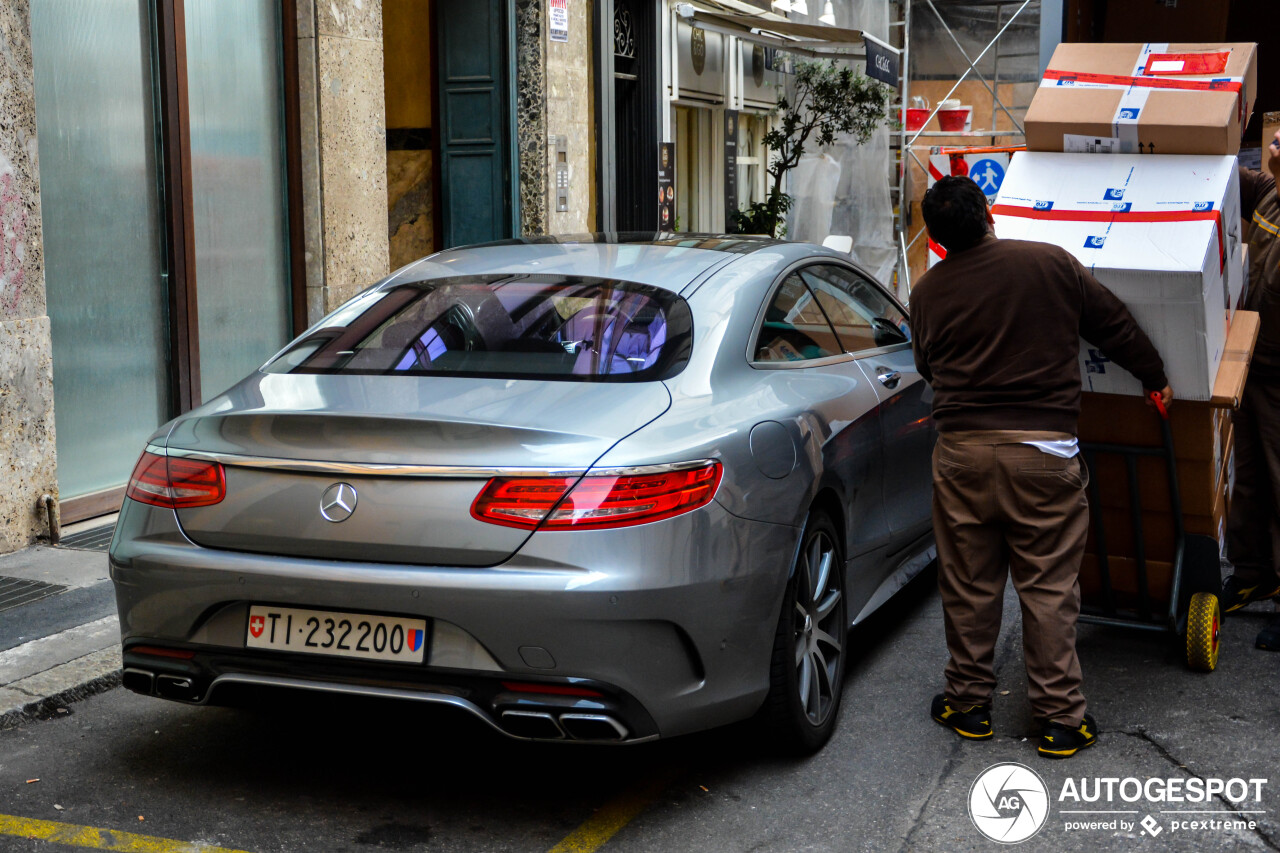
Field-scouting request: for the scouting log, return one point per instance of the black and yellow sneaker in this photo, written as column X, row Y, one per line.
column 1061, row 741
column 971, row 722
column 1236, row 592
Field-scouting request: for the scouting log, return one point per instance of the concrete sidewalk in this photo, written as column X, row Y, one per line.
column 60, row 638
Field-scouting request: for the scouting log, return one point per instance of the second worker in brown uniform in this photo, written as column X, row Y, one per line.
column 997, row 327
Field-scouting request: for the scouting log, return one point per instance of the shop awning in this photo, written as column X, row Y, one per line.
column 772, row 31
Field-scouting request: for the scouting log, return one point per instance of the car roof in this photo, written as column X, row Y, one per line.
column 666, row 260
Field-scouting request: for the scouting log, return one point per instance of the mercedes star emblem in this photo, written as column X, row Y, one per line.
column 338, row 502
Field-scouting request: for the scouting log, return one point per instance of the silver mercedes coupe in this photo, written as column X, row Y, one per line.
column 603, row 489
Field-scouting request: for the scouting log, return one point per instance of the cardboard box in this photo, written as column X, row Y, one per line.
column 1199, row 483
column 1124, row 582
column 1233, row 370
column 1144, row 99
column 1158, row 530
column 1162, row 233
column 1112, row 419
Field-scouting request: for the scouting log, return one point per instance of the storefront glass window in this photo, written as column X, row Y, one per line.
column 235, row 93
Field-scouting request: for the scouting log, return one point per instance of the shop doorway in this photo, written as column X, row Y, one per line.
column 635, row 72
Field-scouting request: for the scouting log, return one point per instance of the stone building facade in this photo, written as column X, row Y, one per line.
column 27, row 469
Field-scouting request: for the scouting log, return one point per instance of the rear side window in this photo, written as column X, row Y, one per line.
column 794, row 327
column 526, row 326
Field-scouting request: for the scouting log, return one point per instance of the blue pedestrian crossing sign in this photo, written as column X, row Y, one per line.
column 987, row 174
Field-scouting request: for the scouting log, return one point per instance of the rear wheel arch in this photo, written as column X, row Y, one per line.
column 829, row 501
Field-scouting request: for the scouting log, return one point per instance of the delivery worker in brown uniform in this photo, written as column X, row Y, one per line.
column 1253, row 528
column 997, row 327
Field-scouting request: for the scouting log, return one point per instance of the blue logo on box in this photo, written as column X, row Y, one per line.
column 1114, row 194
column 1122, row 206
column 1096, row 362
column 1094, row 242
column 1129, row 114
column 1043, row 205
column 1202, row 205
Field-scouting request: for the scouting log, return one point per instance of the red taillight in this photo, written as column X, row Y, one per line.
column 596, row 501
column 176, row 483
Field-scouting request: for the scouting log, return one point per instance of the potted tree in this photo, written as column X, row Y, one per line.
column 827, row 101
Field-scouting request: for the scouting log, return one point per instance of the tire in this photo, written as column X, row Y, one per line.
column 1203, row 624
column 806, row 671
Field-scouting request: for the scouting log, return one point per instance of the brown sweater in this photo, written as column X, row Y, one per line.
column 1261, row 210
column 997, row 334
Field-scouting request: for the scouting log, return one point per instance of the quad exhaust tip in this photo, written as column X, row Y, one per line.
column 541, row 725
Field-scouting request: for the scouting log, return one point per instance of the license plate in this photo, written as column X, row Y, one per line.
column 326, row 632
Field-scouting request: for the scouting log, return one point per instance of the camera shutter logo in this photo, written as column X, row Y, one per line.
column 338, row 502
column 1008, row 803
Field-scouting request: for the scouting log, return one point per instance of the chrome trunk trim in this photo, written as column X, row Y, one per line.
column 319, row 466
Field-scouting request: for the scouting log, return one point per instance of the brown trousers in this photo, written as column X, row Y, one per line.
column 999, row 508
column 1253, row 528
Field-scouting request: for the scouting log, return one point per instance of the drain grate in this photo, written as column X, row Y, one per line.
column 15, row 592
column 96, row 539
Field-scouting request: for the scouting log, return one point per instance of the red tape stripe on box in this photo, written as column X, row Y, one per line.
column 1149, row 82
column 1121, row 216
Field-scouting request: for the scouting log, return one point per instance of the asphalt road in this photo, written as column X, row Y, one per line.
column 347, row 775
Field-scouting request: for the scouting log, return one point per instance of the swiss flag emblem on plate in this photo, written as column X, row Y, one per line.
column 256, row 624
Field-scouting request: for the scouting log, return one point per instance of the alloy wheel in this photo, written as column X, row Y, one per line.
column 819, row 612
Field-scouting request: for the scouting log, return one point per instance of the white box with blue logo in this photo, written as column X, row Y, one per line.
column 1162, row 233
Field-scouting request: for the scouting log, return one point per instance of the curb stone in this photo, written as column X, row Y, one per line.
column 38, row 696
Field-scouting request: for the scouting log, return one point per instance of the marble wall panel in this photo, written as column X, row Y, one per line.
column 353, row 165
column 28, row 460
column 21, row 254
column 28, row 466
column 531, row 116
column 569, row 106
column 410, row 206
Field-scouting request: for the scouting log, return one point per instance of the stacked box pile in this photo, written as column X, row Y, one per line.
column 1163, row 233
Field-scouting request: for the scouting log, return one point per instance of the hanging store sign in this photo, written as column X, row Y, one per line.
column 730, row 165
column 667, row 187
column 558, row 20
column 882, row 61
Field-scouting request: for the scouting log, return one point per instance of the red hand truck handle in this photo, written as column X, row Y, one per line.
column 1159, row 401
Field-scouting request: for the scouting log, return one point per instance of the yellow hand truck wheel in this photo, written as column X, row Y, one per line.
column 1203, row 624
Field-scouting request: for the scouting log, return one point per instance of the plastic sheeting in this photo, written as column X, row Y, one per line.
column 857, row 204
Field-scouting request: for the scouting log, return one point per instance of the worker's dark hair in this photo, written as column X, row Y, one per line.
column 955, row 212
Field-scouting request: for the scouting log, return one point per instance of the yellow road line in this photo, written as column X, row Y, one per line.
column 613, row 816
column 98, row 839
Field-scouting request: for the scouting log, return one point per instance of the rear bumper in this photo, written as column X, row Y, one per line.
column 672, row 623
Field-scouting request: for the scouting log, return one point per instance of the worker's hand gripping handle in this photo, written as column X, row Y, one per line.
column 1158, row 400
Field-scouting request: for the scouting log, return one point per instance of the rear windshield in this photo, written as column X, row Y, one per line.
column 528, row 326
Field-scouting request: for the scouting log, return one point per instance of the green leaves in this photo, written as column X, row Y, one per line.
column 828, row 101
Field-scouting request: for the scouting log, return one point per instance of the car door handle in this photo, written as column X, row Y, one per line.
column 889, row 379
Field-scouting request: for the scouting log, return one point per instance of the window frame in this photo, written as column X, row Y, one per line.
column 772, row 293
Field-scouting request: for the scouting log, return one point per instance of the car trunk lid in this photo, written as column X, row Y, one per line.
column 414, row 452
